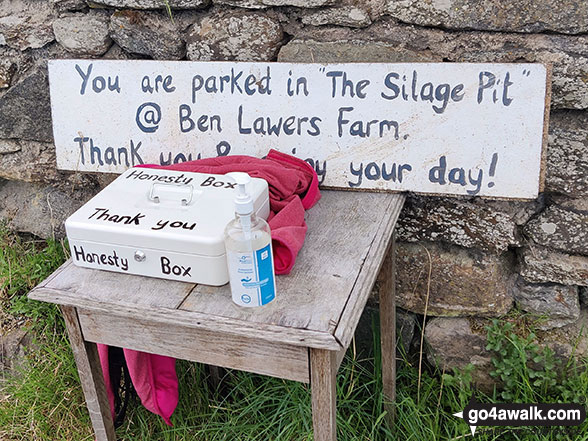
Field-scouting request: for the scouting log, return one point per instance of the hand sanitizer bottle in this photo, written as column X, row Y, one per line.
column 249, row 252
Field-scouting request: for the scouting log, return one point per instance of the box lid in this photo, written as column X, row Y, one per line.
column 165, row 210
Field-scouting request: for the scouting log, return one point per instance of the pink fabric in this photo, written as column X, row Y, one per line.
column 293, row 188
column 288, row 232
column 155, row 380
column 153, row 376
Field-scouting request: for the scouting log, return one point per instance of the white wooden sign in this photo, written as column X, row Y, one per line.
column 440, row 128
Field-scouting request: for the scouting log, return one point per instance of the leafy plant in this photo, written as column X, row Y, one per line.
column 461, row 380
column 525, row 370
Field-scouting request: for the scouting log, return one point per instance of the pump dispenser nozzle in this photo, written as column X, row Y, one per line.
column 243, row 201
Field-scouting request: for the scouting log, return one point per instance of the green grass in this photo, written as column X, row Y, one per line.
column 23, row 264
column 45, row 402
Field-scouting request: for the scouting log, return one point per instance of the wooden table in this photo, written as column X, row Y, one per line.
column 302, row 335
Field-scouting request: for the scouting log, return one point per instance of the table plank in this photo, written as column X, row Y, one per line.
column 342, row 230
column 349, row 319
column 166, row 316
column 214, row 348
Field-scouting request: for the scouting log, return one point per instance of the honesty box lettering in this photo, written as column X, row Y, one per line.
column 105, row 215
column 111, row 260
column 440, row 128
column 115, row 262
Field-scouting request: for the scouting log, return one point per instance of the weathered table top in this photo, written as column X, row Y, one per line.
column 317, row 305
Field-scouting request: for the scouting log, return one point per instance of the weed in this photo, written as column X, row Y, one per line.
column 526, row 370
column 169, row 10
column 23, row 264
column 530, row 373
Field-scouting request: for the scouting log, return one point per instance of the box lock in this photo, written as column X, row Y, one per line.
column 140, row 256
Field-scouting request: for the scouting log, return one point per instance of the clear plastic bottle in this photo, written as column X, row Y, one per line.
column 249, row 252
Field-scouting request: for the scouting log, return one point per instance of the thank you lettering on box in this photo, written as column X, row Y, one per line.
column 439, row 128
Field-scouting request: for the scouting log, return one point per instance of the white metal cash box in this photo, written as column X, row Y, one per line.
column 161, row 223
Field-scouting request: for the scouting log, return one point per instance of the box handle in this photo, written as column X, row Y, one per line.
column 183, row 192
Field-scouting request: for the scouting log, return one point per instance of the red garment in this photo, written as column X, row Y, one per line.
column 293, row 188
column 155, row 378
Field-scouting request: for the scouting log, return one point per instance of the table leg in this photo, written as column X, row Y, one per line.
column 388, row 326
column 323, row 377
column 88, row 363
column 215, row 376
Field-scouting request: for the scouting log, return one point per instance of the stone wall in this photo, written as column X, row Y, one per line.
column 485, row 257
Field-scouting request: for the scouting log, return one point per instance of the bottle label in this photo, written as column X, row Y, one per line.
column 252, row 277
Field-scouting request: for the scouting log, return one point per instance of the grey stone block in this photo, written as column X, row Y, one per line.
column 152, row 4
column 488, row 225
column 147, row 33
column 558, row 303
column 30, row 161
column 406, row 326
column 83, row 34
column 564, row 230
column 351, row 16
column 579, row 205
column 261, row 4
column 26, row 24
column 25, row 110
column 452, row 344
column 567, row 154
column 584, row 296
column 563, row 16
column 238, row 36
column 463, row 282
column 38, row 209
column 570, row 340
column 542, row 265
column 7, row 69
column 69, row 5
